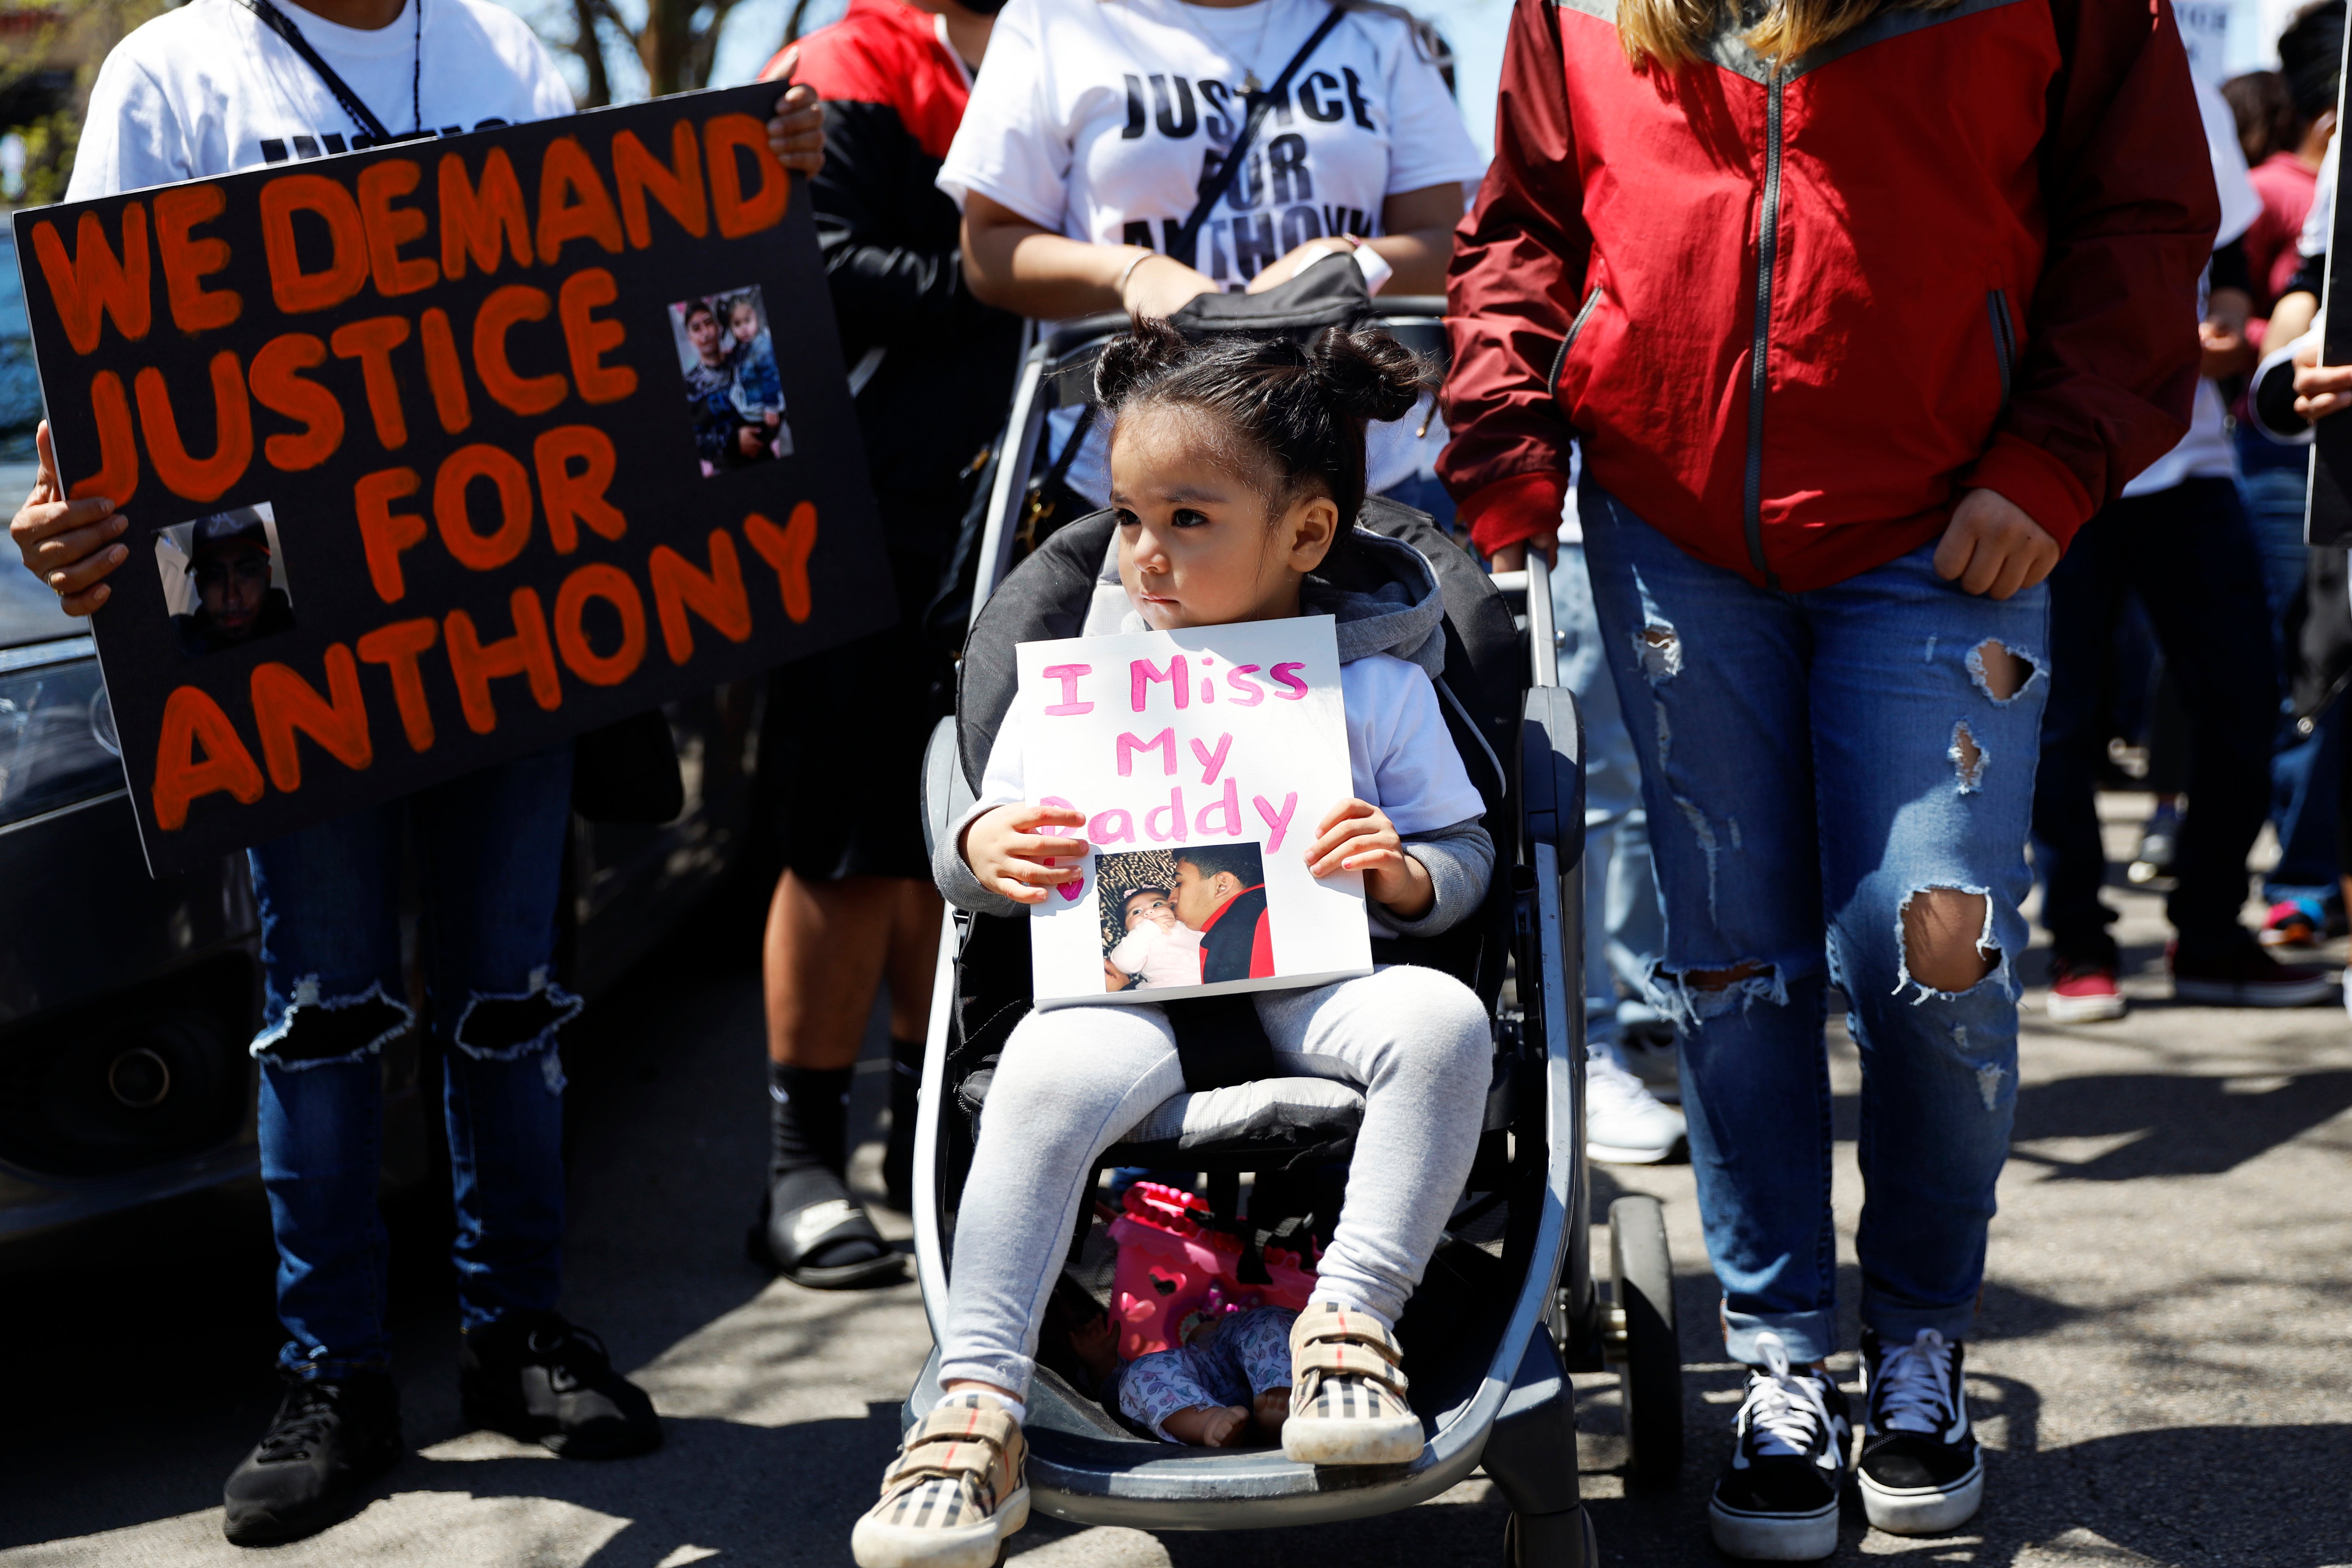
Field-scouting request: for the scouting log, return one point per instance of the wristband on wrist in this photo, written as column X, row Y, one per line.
column 1140, row 259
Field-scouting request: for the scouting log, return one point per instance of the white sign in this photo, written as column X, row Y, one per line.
column 1204, row 761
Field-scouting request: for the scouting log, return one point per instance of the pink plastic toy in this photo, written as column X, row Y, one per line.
column 1173, row 1271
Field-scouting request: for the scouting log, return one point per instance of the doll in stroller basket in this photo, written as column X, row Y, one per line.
column 1235, row 459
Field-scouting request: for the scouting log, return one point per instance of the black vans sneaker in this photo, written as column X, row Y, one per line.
column 1921, row 1473
column 326, row 1442
column 1777, row 1501
column 542, row 1380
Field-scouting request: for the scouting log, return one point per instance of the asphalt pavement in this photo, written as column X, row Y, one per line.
column 2163, row 1373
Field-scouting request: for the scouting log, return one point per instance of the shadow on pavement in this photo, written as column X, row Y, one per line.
column 2177, row 1125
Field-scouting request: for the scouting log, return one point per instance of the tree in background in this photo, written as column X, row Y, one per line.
column 675, row 42
column 49, row 56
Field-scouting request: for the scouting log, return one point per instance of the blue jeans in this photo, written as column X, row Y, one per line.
column 2304, row 768
column 489, row 847
column 1624, row 929
column 1812, row 761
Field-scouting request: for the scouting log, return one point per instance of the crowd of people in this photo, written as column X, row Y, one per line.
column 1883, row 533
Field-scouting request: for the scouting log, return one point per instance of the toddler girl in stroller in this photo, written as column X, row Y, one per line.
column 1237, row 466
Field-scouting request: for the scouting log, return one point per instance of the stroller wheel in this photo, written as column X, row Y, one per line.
column 1550, row 1540
column 1642, row 1341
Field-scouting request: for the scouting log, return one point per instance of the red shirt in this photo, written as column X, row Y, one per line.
column 885, row 52
column 1261, row 958
column 2285, row 183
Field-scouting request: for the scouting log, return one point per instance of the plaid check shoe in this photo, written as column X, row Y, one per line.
column 1347, row 1392
column 952, row 1495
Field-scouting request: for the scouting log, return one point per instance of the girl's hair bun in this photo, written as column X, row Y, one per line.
column 1127, row 363
column 1367, row 374
column 1302, row 407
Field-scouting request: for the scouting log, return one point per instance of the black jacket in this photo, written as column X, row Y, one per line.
column 893, row 97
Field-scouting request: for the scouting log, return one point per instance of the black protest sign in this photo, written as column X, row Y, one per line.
column 441, row 452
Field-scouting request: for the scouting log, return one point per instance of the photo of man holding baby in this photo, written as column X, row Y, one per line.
column 1205, row 922
column 732, row 386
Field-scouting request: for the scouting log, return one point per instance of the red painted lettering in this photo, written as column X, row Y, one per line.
column 396, row 647
column 284, row 704
column 94, row 283
column 475, row 664
column 192, row 721
column 384, row 533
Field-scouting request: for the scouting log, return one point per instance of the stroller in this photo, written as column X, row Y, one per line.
column 1508, row 1305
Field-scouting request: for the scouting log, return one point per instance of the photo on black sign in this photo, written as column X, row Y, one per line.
column 728, row 363
column 225, row 579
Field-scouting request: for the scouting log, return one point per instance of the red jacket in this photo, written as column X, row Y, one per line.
column 1240, row 948
column 1975, row 234
column 893, row 98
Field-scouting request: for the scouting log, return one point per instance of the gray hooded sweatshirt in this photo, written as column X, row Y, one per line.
column 1403, row 616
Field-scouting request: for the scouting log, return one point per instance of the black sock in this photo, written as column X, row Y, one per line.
column 811, row 1118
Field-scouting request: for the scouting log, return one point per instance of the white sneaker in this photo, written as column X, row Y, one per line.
column 1624, row 1124
column 1649, row 1054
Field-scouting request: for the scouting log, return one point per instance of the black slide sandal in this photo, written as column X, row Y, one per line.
column 809, row 1214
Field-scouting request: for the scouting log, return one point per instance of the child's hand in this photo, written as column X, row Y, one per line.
column 1011, row 858
column 1358, row 835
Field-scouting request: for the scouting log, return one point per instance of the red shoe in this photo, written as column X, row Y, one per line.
column 2295, row 922
column 2082, row 991
column 2244, row 975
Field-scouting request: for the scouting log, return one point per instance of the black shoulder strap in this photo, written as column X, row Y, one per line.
column 277, row 22
column 1184, row 246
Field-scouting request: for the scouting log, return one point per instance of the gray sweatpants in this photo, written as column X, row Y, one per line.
column 1074, row 1080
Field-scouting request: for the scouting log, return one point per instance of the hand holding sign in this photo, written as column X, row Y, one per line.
column 1008, row 857
column 796, row 132
column 1358, row 836
column 68, row 544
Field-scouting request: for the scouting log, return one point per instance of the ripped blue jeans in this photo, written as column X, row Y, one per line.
column 489, row 849
column 1814, row 761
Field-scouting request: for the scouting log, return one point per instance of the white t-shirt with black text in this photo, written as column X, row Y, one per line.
column 209, row 89
column 1101, row 120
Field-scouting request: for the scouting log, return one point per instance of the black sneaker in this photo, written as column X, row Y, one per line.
column 1777, row 1501
column 326, row 1442
column 542, row 1380
column 1921, row 1473
column 2238, row 971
